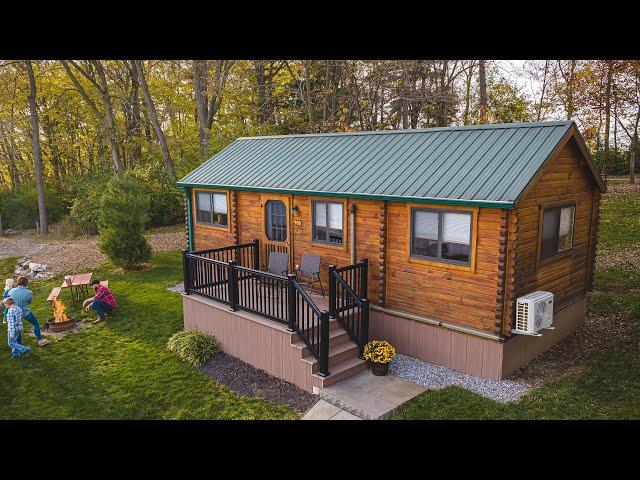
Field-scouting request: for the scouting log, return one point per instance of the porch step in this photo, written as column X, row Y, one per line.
column 337, row 355
column 336, row 337
column 341, row 371
column 333, row 325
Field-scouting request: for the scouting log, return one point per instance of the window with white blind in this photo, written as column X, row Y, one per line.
column 557, row 230
column 211, row 209
column 328, row 222
column 441, row 235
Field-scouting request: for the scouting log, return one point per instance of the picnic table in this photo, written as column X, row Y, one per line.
column 77, row 284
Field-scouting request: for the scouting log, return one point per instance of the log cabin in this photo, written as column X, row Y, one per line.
column 426, row 238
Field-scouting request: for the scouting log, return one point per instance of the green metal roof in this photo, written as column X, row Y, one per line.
column 488, row 165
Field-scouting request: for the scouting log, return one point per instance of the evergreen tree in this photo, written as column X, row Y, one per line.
column 123, row 215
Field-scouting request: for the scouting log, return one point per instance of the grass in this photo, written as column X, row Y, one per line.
column 121, row 368
column 609, row 386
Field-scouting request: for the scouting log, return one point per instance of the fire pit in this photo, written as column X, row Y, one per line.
column 60, row 322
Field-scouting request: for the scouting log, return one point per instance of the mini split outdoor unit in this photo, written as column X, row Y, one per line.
column 534, row 312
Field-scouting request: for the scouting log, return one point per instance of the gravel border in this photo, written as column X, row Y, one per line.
column 249, row 381
column 435, row 377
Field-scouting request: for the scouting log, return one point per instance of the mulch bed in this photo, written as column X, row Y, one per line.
column 249, row 381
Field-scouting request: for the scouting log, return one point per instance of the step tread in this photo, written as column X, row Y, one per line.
column 343, row 370
column 333, row 334
column 334, row 351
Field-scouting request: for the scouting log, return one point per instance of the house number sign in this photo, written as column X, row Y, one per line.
column 297, row 222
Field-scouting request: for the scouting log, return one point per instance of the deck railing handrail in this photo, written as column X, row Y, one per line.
column 277, row 297
column 344, row 298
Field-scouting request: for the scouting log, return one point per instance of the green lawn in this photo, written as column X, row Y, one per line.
column 119, row 369
column 609, row 388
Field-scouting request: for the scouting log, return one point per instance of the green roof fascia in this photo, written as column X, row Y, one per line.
column 187, row 196
column 363, row 196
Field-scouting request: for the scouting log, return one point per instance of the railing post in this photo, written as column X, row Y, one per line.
column 332, row 291
column 364, row 324
column 256, row 254
column 232, row 279
column 186, row 274
column 364, row 278
column 324, row 344
column 292, row 311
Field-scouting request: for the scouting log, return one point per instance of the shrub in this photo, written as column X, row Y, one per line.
column 19, row 208
column 193, row 347
column 123, row 215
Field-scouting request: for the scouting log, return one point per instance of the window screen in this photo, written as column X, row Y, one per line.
column 211, row 208
column 328, row 222
column 441, row 235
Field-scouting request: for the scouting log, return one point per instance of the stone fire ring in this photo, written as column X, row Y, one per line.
column 56, row 327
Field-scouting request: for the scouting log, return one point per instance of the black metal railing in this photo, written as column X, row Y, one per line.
column 348, row 301
column 279, row 298
column 311, row 323
column 247, row 255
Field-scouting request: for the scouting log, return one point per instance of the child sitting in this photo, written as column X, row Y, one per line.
column 8, row 285
column 14, row 330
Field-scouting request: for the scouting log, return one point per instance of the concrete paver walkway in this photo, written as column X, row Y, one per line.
column 363, row 396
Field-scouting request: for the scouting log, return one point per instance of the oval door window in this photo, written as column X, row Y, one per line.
column 276, row 223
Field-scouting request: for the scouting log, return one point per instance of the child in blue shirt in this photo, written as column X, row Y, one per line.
column 14, row 329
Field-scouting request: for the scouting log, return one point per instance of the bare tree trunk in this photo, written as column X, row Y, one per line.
column 484, row 103
column 154, row 119
column 37, row 155
column 544, row 87
column 199, row 69
column 607, row 114
column 467, row 102
column 632, row 158
column 307, row 85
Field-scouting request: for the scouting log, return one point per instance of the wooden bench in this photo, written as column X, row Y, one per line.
column 55, row 293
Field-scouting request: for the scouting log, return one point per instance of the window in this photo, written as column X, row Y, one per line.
column 557, row 230
column 276, row 221
column 327, row 222
column 441, row 235
column 211, row 209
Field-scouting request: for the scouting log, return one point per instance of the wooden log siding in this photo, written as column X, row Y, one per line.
column 595, row 228
column 564, row 178
column 234, row 217
column 382, row 258
column 509, row 274
column 437, row 291
column 502, row 266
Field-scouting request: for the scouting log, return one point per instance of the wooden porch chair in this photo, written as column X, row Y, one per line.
column 309, row 272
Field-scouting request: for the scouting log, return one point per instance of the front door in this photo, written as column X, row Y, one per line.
column 276, row 229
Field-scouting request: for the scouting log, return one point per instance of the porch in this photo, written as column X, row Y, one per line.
column 272, row 322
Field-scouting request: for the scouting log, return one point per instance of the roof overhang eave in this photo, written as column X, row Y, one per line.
column 506, row 205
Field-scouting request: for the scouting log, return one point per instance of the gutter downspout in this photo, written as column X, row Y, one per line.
column 187, row 195
column 352, row 232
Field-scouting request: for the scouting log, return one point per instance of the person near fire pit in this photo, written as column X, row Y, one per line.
column 14, row 329
column 103, row 302
column 22, row 297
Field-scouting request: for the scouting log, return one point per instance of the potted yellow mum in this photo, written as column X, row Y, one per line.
column 379, row 353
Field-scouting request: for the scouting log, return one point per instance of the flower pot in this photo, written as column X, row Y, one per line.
column 379, row 369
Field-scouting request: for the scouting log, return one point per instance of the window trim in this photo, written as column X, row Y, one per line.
column 438, row 262
column 345, row 222
column 314, row 201
column 216, row 226
column 566, row 253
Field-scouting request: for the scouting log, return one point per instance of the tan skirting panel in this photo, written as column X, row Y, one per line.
column 433, row 344
column 260, row 342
